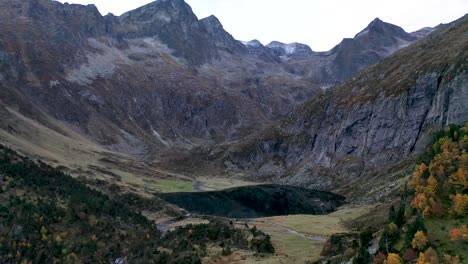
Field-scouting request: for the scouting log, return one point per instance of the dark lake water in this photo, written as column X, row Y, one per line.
column 256, row 201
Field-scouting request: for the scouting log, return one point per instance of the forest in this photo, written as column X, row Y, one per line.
column 47, row 216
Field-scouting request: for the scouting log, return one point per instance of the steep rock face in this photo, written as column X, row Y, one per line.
column 223, row 39
column 115, row 79
column 174, row 23
column 375, row 42
column 149, row 80
column 384, row 115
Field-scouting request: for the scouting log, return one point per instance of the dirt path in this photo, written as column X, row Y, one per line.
column 288, row 230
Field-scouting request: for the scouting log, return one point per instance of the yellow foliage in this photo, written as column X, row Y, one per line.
column 392, row 229
column 432, row 185
column 419, row 241
column 421, row 259
column 420, row 201
column 418, row 173
column 459, row 180
column 393, row 259
column 460, row 204
column 451, row 259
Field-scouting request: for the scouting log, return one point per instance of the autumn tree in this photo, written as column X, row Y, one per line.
column 432, row 184
column 421, row 259
column 379, row 258
column 452, row 259
column 418, row 174
column 459, row 205
column 393, row 258
column 410, row 255
column 459, row 180
column 430, row 256
column 419, row 241
column 459, row 235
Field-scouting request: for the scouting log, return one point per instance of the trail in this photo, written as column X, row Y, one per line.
column 288, row 230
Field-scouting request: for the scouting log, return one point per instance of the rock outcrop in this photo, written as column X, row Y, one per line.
column 382, row 117
column 153, row 79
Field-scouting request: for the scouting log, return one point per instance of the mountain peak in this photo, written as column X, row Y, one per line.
column 377, row 20
column 212, row 21
column 377, row 23
column 254, row 42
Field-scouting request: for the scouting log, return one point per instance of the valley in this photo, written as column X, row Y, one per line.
column 157, row 137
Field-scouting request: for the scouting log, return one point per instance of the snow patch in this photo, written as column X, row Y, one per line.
column 290, row 48
column 158, row 136
column 362, row 33
column 53, row 83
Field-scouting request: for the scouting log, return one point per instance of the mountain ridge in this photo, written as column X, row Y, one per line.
column 379, row 120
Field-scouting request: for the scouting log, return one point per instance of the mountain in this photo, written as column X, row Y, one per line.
column 376, row 42
column 291, row 50
column 151, row 82
column 223, row 40
column 357, row 137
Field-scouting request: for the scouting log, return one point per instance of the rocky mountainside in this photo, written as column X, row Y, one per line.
column 377, row 121
column 293, row 50
column 156, row 78
column 377, row 41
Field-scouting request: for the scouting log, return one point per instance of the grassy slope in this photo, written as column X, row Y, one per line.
column 294, row 248
column 49, row 217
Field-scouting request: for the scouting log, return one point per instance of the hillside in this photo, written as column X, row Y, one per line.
column 157, row 137
column 428, row 224
column 357, row 136
column 49, row 217
column 156, row 77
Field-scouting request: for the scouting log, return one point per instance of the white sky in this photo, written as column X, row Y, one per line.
column 319, row 23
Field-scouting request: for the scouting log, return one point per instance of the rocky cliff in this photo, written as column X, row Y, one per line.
column 382, row 117
column 153, row 79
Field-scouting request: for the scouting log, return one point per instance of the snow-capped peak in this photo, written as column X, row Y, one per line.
column 252, row 43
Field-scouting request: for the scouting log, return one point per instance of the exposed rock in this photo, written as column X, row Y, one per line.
column 384, row 115
column 223, row 39
column 152, row 79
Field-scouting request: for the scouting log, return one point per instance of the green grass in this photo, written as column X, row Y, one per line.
column 296, row 246
column 168, row 186
column 438, row 229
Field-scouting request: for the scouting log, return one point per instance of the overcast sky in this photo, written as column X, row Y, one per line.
column 319, row 23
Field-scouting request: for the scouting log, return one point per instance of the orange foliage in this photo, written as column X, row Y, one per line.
column 419, row 241
column 431, row 257
column 459, row 234
column 418, row 173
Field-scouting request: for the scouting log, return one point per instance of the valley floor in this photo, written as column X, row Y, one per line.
column 296, row 238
